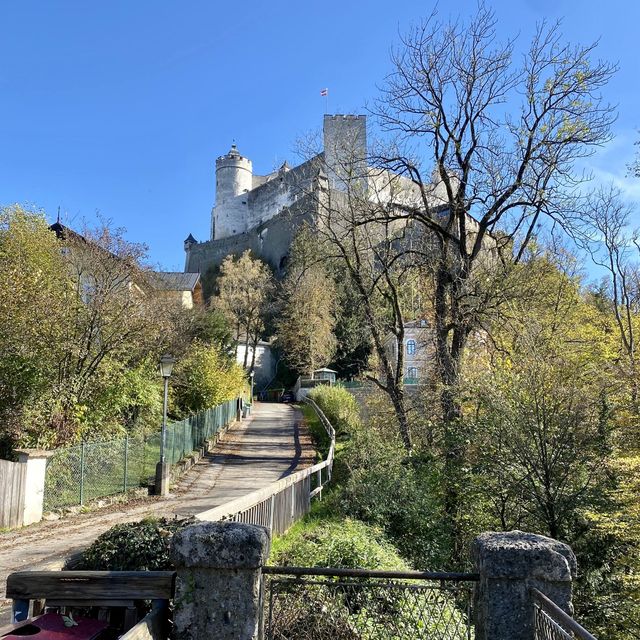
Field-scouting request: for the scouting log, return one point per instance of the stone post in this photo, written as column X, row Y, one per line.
column 163, row 478
column 510, row 564
column 218, row 582
column 36, row 467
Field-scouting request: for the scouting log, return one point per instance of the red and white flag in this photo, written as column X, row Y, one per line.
column 324, row 92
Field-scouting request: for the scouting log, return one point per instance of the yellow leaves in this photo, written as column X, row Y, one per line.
column 205, row 378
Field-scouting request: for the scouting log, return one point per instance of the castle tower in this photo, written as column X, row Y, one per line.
column 234, row 178
column 345, row 150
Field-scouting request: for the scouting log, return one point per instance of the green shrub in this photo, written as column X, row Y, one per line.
column 397, row 494
column 204, row 378
column 350, row 611
column 336, row 543
column 340, row 407
column 321, row 439
column 134, row 546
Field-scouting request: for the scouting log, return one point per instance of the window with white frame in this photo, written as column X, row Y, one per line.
column 412, row 372
column 411, row 347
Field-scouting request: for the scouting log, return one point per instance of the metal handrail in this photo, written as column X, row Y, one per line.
column 559, row 616
column 339, row 572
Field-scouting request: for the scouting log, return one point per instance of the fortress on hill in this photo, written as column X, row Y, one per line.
column 263, row 213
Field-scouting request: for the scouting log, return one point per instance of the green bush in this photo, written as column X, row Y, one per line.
column 321, row 439
column 134, row 546
column 340, row 407
column 350, row 611
column 336, row 543
column 204, row 378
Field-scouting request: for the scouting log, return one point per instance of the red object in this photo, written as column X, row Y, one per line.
column 51, row 626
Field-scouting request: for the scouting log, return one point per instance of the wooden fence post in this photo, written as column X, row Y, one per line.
column 82, row 473
column 126, row 462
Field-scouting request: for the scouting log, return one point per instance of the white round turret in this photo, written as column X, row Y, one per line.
column 234, row 176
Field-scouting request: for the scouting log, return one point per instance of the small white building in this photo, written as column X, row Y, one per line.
column 318, row 377
column 265, row 363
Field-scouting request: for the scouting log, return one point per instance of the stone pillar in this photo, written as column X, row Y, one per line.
column 510, row 564
column 218, row 582
column 36, row 467
column 163, row 478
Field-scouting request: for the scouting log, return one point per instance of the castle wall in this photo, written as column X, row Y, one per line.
column 269, row 241
column 237, row 212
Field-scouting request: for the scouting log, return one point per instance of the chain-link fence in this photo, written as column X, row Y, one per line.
column 350, row 605
column 96, row 469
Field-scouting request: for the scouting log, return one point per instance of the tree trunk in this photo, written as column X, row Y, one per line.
column 451, row 335
column 246, row 348
column 256, row 339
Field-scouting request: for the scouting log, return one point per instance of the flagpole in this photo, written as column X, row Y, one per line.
column 325, row 94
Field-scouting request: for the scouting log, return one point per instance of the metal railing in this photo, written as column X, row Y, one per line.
column 92, row 470
column 337, row 604
column 552, row 623
column 280, row 504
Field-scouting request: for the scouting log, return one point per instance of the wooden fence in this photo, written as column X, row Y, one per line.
column 280, row 504
column 13, row 477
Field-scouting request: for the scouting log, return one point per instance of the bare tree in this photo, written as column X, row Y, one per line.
column 605, row 232
column 503, row 138
column 377, row 257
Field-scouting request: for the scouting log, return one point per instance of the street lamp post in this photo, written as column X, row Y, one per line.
column 162, row 468
column 251, row 394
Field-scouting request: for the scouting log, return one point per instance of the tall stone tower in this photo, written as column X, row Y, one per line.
column 345, row 150
column 234, row 179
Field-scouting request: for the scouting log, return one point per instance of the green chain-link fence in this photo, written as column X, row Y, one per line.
column 96, row 469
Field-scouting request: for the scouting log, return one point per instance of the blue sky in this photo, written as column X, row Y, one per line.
column 121, row 107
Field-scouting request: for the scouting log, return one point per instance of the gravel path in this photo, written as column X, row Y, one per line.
column 267, row 446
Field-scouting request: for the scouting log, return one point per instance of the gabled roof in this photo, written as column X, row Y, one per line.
column 174, row 280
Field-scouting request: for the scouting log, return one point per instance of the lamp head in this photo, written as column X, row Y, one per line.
column 166, row 365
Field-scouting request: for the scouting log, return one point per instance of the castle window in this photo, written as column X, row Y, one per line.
column 411, row 347
column 412, row 373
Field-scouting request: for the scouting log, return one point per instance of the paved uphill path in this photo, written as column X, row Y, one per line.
column 267, row 446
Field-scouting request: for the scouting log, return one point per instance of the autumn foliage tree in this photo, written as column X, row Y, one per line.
column 306, row 322
column 245, row 289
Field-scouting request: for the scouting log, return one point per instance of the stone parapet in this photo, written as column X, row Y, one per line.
column 218, row 582
column 509, row 565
